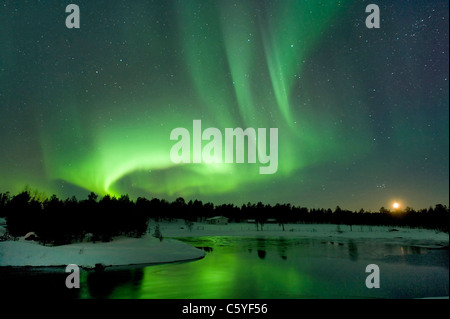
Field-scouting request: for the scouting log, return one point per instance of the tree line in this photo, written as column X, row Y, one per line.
column 59, row 221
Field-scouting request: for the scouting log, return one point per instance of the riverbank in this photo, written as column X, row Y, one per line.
column 120, row 251
column 149, row 250
column 416, row 236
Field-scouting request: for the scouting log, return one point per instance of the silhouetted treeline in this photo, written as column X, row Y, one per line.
column 59, row 222
column 62, row 221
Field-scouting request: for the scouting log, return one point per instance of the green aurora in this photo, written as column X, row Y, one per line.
column 92, row 109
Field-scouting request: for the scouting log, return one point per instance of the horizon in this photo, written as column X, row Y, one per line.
column 394, row 207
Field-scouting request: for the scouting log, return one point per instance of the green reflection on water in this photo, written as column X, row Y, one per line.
column 249, row 270
column 252, row 268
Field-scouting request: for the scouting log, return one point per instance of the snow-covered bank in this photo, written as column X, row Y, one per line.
column 120, row 251
column 2, row 230
column 2, row 226
column 416, row 236
column 149, row 250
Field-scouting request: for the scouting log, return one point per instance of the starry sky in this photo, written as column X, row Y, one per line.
column 362, row 114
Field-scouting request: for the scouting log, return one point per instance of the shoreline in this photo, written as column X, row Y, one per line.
column 318, row 231
column 121, row 251
column 147, row 250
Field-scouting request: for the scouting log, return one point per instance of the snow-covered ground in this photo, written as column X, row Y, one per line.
column 2, row 230
column 2, row 226
column 406, row 235
column 120, row 251
column 148, row 250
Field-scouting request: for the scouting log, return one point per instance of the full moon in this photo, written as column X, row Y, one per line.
column 396, row 205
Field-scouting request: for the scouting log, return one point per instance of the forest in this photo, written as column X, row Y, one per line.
column 56, row 221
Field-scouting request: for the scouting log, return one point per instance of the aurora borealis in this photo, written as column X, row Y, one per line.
column 362, row 114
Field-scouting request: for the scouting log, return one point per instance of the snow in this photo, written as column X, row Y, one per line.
column 2, row 230
column 406, row 235
column 149, row 250
column 2, row 226
column 120, row 251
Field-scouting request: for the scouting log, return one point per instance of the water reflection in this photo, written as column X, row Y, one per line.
column 261, row 247
column 282, row 248
column 102, row 284
column 262, row 267
column 314, row 269
column 261, row 253
column 35, row 283
column 352, row 250
column 205, row 248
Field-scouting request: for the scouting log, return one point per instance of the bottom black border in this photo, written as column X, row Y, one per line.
column 276, row 308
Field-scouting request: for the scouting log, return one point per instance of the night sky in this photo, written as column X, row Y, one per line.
column 362, row 114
